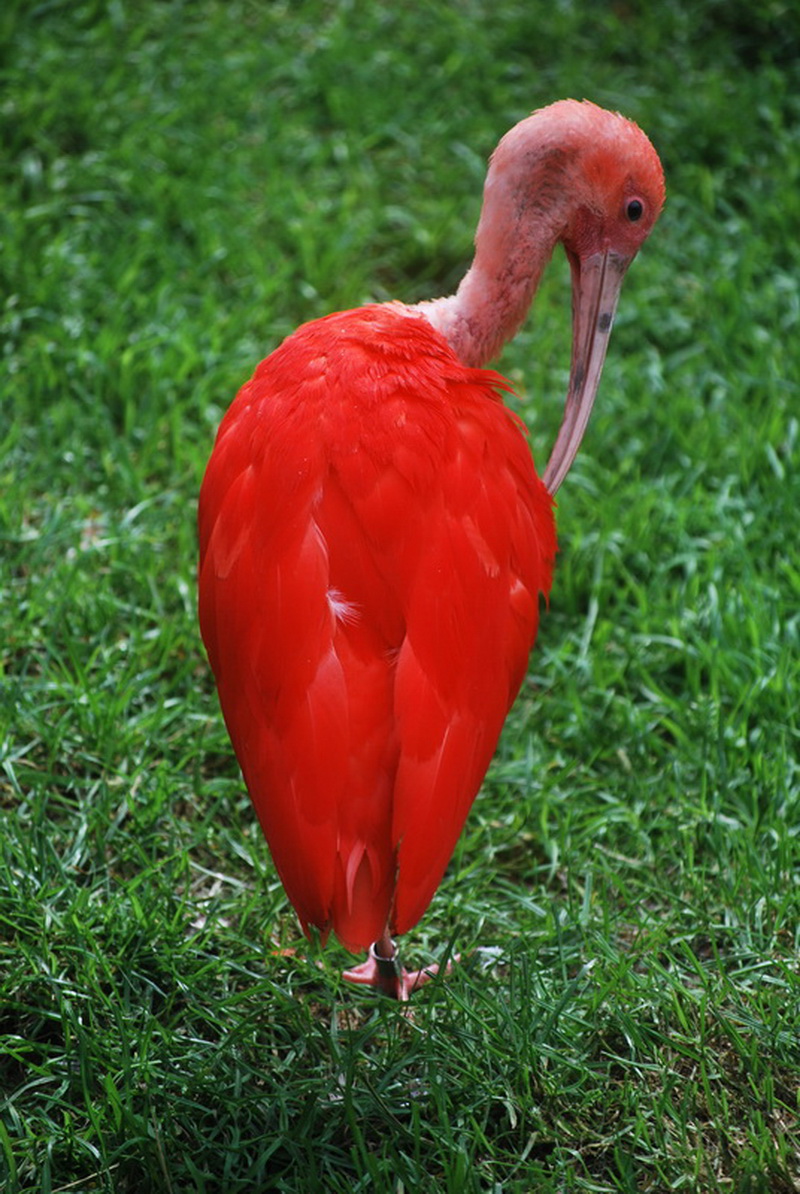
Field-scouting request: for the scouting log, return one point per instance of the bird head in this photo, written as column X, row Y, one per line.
column 612, row 193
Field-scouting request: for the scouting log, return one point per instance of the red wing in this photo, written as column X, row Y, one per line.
column 373, row 542
column 470, row 627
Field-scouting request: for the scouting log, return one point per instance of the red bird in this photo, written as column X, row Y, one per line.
column 374, row 539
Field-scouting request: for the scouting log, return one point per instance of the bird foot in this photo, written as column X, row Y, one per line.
column 382, row 970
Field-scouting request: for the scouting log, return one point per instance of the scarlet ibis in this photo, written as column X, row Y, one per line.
column 374, row 539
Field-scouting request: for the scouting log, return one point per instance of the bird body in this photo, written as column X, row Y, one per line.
column 364, row 708
column 375, row 541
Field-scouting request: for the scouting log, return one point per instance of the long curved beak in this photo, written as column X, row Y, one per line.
column 596, row 283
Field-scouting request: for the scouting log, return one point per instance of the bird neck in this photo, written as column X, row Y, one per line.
column 512, row 247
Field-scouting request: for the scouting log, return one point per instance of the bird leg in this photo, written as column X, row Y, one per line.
column 383, row 971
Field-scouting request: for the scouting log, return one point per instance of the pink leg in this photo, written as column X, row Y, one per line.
column 383, row 971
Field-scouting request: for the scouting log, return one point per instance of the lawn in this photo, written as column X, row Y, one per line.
column 182, row 184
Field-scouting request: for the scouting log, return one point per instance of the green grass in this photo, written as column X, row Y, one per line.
column 183, row 183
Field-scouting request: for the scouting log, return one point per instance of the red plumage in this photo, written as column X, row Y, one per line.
column 373, row 543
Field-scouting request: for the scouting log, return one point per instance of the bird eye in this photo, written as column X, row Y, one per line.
column 634, row 210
